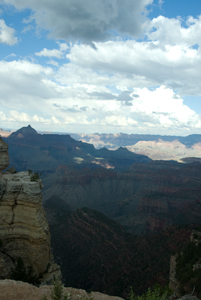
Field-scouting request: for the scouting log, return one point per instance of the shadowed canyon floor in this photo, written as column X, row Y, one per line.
column 96, row 253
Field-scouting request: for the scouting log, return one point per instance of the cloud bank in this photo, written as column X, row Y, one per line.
column 89, row 20
column 112, row 69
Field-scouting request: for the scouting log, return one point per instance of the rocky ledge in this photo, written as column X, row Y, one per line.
column 16, row 290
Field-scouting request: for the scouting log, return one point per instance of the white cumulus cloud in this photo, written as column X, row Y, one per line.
column 50, row 53
column 174, row 31
column 7, row 34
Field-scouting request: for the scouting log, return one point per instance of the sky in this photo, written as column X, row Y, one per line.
column 105, row 66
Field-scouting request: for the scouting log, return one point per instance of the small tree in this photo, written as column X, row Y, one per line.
column 57, row 293
column 57, row 290
column 35, row 176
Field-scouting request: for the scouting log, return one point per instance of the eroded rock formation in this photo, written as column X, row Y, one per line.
column 24, row 230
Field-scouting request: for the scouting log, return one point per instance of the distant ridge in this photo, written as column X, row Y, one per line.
column 48, row 151
column 113, row 141
column 24, row 131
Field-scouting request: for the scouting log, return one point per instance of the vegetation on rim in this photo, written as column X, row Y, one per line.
column 188, row 267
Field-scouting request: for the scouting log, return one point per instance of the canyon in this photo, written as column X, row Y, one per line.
column 104, row 208
column 141, row 194
column 96, row 253
column 156, row 147
column 146, row 199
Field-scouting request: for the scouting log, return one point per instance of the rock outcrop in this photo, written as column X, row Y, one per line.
column 13, row 290
column 4, row 159
column 24, row 230
column 173, row 282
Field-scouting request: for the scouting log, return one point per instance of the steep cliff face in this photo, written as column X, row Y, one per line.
column 24, row 230
column 4, row 159
column 147, row 199
column 95, row 253
column 23, row 226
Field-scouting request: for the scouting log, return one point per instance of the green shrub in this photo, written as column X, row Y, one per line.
column 57, row 290
column 190, row 255
column 163, row 289
column 30, row 171
column 57, row 293
column 35, row 177
column 151, row 294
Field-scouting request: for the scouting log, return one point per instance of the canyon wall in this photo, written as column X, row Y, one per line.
column 146, row 199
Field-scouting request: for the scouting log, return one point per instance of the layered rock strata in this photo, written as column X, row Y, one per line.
column 24, row 230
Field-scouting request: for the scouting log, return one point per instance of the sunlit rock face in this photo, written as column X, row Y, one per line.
column 24, row 230
column 23, row 225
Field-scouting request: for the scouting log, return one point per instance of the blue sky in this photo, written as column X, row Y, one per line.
column 101, row 66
